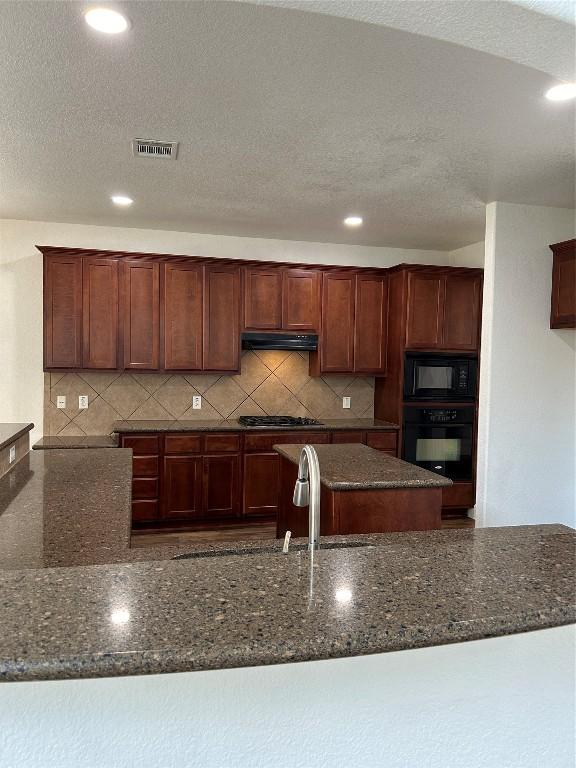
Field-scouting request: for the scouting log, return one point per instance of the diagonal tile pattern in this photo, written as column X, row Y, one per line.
column 271, row 382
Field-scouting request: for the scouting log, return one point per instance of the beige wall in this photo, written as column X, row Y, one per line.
column 468, row 256
column 527, row 417
column 21, row 378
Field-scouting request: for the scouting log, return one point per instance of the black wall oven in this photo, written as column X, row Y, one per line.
column 440, row 439
column 429, row 376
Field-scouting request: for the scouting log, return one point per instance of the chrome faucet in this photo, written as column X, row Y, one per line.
column 307, row 493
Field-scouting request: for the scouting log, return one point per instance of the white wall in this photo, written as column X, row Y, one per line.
column 468, row 256
column 483, row 704
column 21, row 380
column 527, row 429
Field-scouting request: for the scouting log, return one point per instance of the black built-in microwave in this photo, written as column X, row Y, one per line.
column 429, row 376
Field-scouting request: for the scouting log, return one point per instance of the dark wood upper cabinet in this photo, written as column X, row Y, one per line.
column 300, row 300
column 62, row 312
column 461, row 319
column 276, row 299
column 100, row 313
column 221, row 318
column 443, row 310
column 336, row 348
column 371, row 324
column 425, row 299
column 262, row 298
column 563, row 305
column 140, row 314
column 182, row 303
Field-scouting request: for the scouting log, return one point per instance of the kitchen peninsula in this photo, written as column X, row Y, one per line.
column 68, row 579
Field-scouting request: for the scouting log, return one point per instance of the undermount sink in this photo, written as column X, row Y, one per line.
column 271, row 550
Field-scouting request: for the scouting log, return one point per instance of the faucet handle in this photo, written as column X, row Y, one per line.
column 301, row 497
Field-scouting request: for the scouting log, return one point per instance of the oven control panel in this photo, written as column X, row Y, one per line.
column 440, row 415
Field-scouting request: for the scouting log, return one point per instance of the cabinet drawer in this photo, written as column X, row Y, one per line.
column 144, row 511
column 145, row 466
column 460, row 495
column 382, row 441
column 182, row 444
column 221, row 443
column 265, row 442
column 145, row 488
column 348, row 437
column 142, row 445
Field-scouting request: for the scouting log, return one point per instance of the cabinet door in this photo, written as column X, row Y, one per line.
column 425, row 301
column 100, row 313
column 563, row 311
column 461, row 322
column 221, row 486
column 300, row 300
column 62, row 312
column 221, row 318
column 370, row 332
column 337, row 337
column 182, row 317
column 263, row 298
column 261, row 484
column 141, row 313
column 182, row 488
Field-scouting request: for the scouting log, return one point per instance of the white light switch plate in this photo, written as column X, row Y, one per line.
column 196, row 402
column 82, row 401
column 346, row 402
column 12, row 454
column 61, row 401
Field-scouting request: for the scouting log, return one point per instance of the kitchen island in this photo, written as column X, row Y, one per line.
column 393, row 628
column 363, row 491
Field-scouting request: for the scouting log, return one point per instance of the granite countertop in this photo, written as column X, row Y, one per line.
column 234, row 426
column 360, row 468
column 122, row 617
column 88, row 441
column 9, row 433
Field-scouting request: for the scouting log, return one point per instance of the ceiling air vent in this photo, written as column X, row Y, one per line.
column 148, row 148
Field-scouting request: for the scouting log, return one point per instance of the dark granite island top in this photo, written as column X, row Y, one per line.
column 358, row 467
column 250, row 605
column 224, row 425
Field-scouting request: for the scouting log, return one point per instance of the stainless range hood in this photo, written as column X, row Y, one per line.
column 293, row 341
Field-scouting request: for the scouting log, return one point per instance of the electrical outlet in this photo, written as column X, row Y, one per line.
column 346, row 402
column 82, row 401
column 12, row 454
column 61, row 401
column 196, row 402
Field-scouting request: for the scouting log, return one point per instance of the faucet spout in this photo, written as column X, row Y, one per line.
column 307, row 492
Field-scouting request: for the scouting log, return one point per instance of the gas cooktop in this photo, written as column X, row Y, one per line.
column 276, row 421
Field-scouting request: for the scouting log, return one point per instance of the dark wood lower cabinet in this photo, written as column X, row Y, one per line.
column 261, row 484
column 182, row 488
column 221, row 486
column 211, row 480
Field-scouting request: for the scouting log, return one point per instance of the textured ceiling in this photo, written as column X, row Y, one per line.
column 510, row 30
column 287, row 121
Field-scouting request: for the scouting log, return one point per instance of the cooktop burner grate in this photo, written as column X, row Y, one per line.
column 276, row 421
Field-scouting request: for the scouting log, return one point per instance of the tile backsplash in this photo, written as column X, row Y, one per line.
column 270, row 383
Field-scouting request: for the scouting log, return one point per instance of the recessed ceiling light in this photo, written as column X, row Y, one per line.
column 106, row 20
column 562, row 92
column 121, row 200
column 353, row 221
